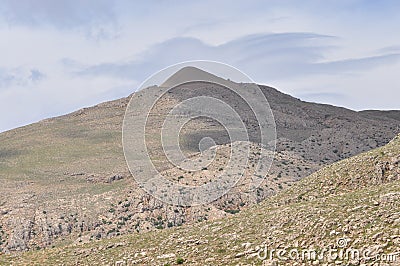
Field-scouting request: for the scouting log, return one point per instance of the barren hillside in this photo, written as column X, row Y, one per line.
column 65, row 179
column 349, row 205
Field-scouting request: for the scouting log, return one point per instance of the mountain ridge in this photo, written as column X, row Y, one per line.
column 65, row 179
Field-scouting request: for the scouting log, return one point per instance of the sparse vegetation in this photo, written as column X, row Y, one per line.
column 73, row 167
column 328, row 202
column 232, row 211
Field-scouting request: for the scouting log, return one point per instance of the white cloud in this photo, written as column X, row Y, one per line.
column 114, row 45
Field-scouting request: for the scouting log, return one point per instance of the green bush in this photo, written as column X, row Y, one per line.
column 232, row 211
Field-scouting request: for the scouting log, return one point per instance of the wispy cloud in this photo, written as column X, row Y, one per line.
column 268, row 49
column 275, row 56
column 390, row 49
column 355, row 65
column 96, row 19
column 19, row 77
column 62, row 14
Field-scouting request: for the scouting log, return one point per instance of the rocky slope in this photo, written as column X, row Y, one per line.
column 352, row 205
column 65, row 180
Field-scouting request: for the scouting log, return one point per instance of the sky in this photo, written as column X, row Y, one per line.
column 60, row 56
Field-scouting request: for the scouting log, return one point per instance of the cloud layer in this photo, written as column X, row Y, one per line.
column 58, row 56
column 266, row 56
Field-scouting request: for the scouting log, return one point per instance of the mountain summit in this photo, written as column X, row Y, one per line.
column 65, row 179
column 190, row 74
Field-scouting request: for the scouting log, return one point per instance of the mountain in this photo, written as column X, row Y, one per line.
column 351, row 205
column 392, row 114
column 190, row 73
column 65, row 179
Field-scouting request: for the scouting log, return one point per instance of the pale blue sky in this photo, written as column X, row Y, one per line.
column 59, row 56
